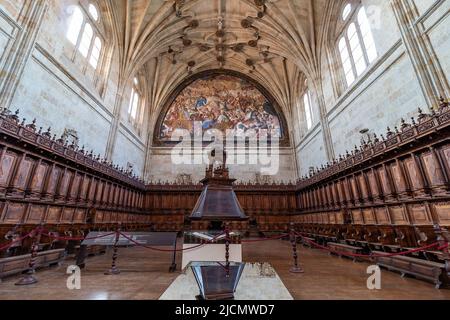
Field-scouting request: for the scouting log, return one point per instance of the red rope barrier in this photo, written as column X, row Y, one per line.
column 7, row 246
column 373, row 255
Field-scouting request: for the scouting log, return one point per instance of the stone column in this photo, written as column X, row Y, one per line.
column 114, row 124
column 326, row 132
column 30, row 22
column 429, row 74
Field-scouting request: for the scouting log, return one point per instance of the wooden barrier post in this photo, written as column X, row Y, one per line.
column 114, row 270
column 29, row 277
column 296, row 268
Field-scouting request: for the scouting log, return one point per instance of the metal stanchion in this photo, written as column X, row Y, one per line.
column 114, row 270
column 29, row 277
column 296, row 268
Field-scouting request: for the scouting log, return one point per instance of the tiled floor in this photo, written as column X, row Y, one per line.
column 145, row 276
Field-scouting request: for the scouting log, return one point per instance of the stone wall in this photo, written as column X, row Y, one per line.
column 163, row 169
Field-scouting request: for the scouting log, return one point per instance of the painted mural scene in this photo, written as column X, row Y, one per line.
column 222, row 102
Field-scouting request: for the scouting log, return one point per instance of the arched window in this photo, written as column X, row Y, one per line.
column 356, row 45
column 367, row 36
column 93, row 12
column 84, row 34
column 346, row 62
column 356, row 49
column 76, row 22
column 346, row 12
column 134, row 109
column 95, row 55
column 86, row 40
column 308, row 110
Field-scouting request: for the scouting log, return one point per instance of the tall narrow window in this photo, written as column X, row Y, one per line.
column 76, row 22
column 346, row 62
column 93, row 12
column 308, row 110
column 133, row 108
column 346, row 12
column 356, row 45
column 95, row 55
column 367, row 36
column 86, row 40
column 356, row 49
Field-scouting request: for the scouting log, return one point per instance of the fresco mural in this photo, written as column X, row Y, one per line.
column 221, row 102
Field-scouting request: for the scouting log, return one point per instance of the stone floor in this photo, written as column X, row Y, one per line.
column 145, row 276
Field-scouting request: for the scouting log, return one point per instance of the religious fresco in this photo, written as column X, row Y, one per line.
column 221, row 102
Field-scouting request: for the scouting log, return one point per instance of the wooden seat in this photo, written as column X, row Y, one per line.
column 345, row 249
column 420, row 268
column 14, row 265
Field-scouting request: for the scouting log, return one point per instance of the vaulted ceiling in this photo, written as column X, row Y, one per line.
column 275, row 42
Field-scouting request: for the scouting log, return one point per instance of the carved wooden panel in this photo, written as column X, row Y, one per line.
column 397, row 177
column 442, row 210
column 354, row 187
column 37, row 183
column 340, row 217
column 53, row 180
column 36, row 214
column 382, row 216
column 92, row 188
column 446, row 156
column 99, row 192
column 373, row 183
column 363, row 186
column 432, row 170
column 54, row 215
column 369, row 217
column 106, row 193
column 23, row 173
column 14, row 213
column 67, row 215
column 399, row 215
column 84, row 187
column 79, row 216
column 384, row 181
column 64, row 185
column 6, row 167
column 332, row 218
column 420, row 215
column 75, row 187
column 414, row 174
column 357, row 216
column 98, row 217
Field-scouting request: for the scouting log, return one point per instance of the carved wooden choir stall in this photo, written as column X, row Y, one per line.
column 390, row 195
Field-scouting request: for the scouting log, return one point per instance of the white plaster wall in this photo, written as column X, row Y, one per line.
column 366, row 108
column 129, row 150
column 46, row 94
column 311, row 151
column 164, row 169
